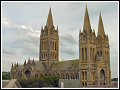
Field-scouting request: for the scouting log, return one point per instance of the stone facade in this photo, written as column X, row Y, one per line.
column 94, row 55
column 92, row 68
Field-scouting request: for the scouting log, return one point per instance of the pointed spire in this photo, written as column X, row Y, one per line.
column 57, row 27
column 80, row 32
column 33, row 62
column 17, row 64
column 107, row 37
column 101, row 31
column 86, row 25
column 42, row 27
column 49, row 23
column 12, row 65
column 25, row 62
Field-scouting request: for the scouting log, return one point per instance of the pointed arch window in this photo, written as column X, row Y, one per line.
column 90, row 53
column 55, row 46
column 93, row 53
column 86, row 53
column 85, row 75
column 82, row 54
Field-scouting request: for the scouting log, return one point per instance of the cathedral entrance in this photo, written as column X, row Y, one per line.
column 27, row 73
column 102, row 77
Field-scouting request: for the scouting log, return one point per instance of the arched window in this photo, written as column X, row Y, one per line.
column 86, row 84
column 44, row 45
column 55, row 46
column 107, row 54
column 85, row 75
column 90, row 53
column 62, row 76
column 71, row 75
column 82, row 54
column 83, row 84
column 76, row 76
column 36, row 75
column 100, row 53
column 50, row 45
column 97, row 54
column 86, row 53
column 27, row 73
column 67, row 76
column 102, row 77
column 93, row 53
column 44, row 56
column 82, row 75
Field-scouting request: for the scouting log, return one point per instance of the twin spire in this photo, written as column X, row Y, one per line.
column 101, row 31
column 49, row 22
column 87, row 25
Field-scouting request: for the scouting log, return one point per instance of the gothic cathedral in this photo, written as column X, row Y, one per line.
column 92, row 68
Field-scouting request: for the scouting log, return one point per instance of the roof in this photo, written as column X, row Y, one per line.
column 66, row 65
column 56, row 65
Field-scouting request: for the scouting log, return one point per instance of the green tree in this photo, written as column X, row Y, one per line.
column 46, row 81
column 5, row 75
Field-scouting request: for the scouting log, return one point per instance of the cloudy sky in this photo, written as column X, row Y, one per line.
column 22, row 21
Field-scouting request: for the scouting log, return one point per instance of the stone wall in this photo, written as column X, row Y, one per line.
column 69, row 83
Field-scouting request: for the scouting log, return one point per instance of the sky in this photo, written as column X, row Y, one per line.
column 22, row 21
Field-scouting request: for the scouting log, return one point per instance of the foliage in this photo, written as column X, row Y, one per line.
column 46, row 81
column 114, row 79
column 5, row 75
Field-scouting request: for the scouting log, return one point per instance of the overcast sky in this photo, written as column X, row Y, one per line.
column 22, row 21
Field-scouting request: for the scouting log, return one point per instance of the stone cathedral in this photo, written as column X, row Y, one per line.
column 92, row 68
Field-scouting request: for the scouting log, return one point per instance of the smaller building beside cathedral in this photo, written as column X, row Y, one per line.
column 92, row 68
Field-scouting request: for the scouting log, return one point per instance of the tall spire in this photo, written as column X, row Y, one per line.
column 49, row 23
column 86, row 25
column 101, row 31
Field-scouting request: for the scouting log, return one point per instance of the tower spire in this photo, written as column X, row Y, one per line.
column 49, row 23
column 101, row 31
column 86, row 25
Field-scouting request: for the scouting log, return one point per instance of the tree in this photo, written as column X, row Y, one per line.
column 5, row 75
column 46, row 81
column 114, row 79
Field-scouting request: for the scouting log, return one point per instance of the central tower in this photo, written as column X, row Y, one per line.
column 49, row 41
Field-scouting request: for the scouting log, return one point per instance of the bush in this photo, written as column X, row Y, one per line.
column 5, row 75
column 45, row 81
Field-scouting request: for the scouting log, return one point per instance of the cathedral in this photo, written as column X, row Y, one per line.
column 92, row 68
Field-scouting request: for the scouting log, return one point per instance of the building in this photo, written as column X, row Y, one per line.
column 92, row 68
